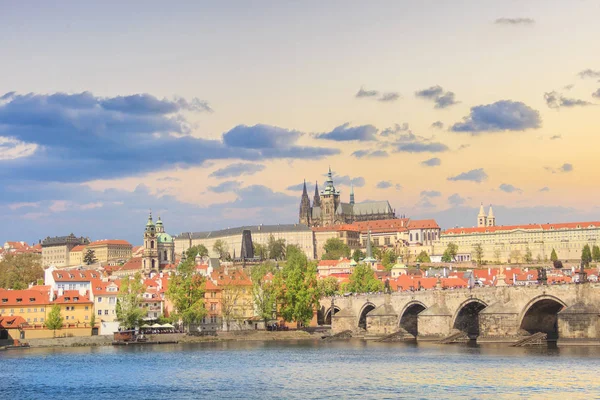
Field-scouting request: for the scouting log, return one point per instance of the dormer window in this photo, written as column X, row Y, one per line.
column 5, row 300
column 81, row 275
column 71, row 276
column 75, row 298
column 19, row 300
column 67, row 298
column 60, row 276
column 32, row 299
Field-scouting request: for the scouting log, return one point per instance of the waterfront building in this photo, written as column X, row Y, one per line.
column 56, row 250
column 328, row 209
column 515, row 243
column 78, row 279
column 298, row 234
column 30, row 305
column 104, row 296
column 76, row 308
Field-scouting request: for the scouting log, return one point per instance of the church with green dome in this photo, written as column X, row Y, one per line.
column 159, row 247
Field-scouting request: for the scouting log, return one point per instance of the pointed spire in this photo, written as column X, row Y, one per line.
column 316, row 198
column 304, row 192
column 351, row 193
column 481, row 211
column 491, row 213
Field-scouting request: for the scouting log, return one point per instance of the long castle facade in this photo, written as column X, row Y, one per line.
column 327, row 208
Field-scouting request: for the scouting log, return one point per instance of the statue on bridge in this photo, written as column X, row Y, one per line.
column 582, row 274
column 542, row 277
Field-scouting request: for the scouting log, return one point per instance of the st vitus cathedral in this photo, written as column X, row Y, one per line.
column 328, row 209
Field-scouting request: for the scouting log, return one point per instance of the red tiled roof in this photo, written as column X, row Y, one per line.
column 336, row 228
column 27, row 297
column 14, row 322
column 68, row 297
column 544, row 227
column 100, row 288
column 332, row 263
column 75, row 275
column 384, row 225
column 423, row 224
column 133, row 264
column 78, row 248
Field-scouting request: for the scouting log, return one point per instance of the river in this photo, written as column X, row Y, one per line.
column 300, row 370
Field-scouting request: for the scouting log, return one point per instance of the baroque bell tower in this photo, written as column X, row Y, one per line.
column 150, row 261
column 330, row 200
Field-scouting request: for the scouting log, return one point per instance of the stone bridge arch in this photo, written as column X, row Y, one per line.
column 408, row 319
column 362, row 315
column 327, row 316
column 541, row 315
column 466, row 316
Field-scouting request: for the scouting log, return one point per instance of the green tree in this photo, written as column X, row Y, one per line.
column 596, row 253
column 221, row 248
column 17, row 271
column 328, row 286
column 358, row 255
column 297, row 291
column 55, row 319
column 553, row 256
column 129, row 301
column 452, row 250
column 407, row 255
column 423, row 257
column 497, row 254
column 363, row 280
column 89, row 257
column 186, row 292
column 260, row 250
column 586, row 255
column 528, row 257
column 194, row 251
column 264, row 292
column 335, row 249
column 276, row 248
column 477, row 253
column 515, row 256
column 388, row 259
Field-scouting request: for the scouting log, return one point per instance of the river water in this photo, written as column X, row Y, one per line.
column 300, row 370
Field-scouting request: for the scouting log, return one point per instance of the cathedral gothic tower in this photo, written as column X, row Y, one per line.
column 305, row 211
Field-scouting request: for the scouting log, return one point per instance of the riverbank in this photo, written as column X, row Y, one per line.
column 91, row 341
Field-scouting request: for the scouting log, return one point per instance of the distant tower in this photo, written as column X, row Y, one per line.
column 316, row 199
column 330, row 199
column 491, row 220
column 481, row 218
column 150, row 256
column 351, row 193
column 304, row 214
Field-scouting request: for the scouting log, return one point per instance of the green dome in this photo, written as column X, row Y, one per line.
column 164, row 237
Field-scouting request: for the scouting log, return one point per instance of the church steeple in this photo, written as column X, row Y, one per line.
column 316, row 198
column 491, row 219
column 304, row 213
column 351, row 193
column 481, row 217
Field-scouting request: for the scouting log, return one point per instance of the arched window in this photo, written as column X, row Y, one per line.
column 417, row 237
column 152, row 244
column 411, row 237
column 165, row 253
column 153, row 263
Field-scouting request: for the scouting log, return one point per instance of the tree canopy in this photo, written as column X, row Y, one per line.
column 478, row 253
column 358, row 255
column 328, row 286
column 450, row 252
column 596, row 253
column 276, row 248
column 89, row 257
column 586, row 255
column 553, row 256
column 423, row 257
column 388, row 259
column 186, row 292
column 55, row 319
column 335, row 249
column 363, row 280
column 221, row 248
column 264, row 292
column 17, row 271
column 129, row 300
column 194, row 251
column 297, row 291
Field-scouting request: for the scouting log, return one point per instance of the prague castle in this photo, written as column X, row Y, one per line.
column 327, row 208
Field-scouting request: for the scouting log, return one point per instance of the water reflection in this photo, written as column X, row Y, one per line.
column 303, row 369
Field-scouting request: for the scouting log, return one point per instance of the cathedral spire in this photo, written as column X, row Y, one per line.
column 351, row 193
column 304, row 192
column 316, row 198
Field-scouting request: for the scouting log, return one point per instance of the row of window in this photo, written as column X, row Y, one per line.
column 106, row 312
column 22, row 310
column 111, row 300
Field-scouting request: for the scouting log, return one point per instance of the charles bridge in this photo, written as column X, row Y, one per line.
column 567, row 313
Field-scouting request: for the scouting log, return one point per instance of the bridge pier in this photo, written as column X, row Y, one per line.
column 434, row 323
column 579, row 323
column 499, row 322
column 344, row 320
column 382, row 321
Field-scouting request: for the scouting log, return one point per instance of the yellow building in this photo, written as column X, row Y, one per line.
column 110, row 251
column 236, row 303
column 76, row 255
column 516, row 243
column 31, row 305
column 76, row 308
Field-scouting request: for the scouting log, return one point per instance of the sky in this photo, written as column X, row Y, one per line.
column 212, row 114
